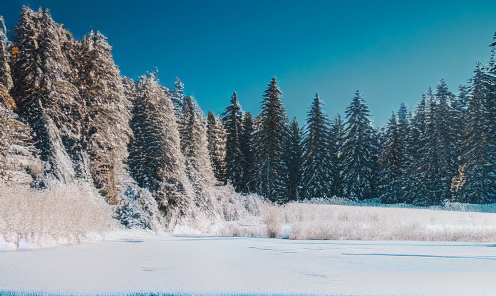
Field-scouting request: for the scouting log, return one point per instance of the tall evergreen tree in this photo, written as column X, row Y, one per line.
column 294, row 161
column 155, row 158
column 335, row 156
column 216, row 135
column 177, row 98
column 233, row 120
column 106, row 131
column 359, row 151
column 316, row 158
column 248, row 182
column 476, row 176
column 17, row 162
column 270, row 140
column 391, row 163
column 45, row 97
column 194, row 145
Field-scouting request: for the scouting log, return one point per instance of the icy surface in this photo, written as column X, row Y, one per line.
column 143, row 262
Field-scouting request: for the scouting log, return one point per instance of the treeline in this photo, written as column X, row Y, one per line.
column 445, row 150
column 67, row 114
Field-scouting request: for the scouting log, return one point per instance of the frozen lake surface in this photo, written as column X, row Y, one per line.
column 208, row 265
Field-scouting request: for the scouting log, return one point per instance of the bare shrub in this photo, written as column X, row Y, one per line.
column 62, row 213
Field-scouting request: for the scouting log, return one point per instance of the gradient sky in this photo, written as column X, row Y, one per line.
column 389, row 50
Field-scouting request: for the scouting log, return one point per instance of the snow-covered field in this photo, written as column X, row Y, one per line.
column 132, row 262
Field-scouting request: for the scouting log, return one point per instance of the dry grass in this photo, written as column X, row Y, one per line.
column 338, row 222
column 61, row 214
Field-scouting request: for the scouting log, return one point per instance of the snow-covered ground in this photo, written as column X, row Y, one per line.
column 129, row 262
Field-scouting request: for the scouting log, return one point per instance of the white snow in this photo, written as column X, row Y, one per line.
column 132, row 261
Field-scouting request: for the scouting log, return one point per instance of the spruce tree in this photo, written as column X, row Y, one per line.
column 18, row 164
column 294, row 161
column 45, row 97
column 269, row 143
column 194, row 145
column 316, row 157
column 106, row 131
column 476, row 176
column 359, row 151
column 335, row 156
column 155, row 158
column 177, row 98
column 391, row 163
column 232, row 118
column 216, row 135
column 248, row 182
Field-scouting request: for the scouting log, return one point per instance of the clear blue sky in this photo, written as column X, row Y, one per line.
column 389, row 50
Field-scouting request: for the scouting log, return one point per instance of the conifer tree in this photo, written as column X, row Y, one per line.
column 177, row 98
column 270, row 139
column 446, row 135
column 316, row 157
column 155, row 158
column 45, row 97
column 294, row 161
column 359, row 151
column 106, row 131
column 335, row 156
column 216, row 135
column 194, row 145
column 475, row 178
column 17, row 162
column 248, row 182
column 391, row 163
column 232, row 118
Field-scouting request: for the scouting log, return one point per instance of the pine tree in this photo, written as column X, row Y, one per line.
column 106, row 131
column 177, row 98
column 194, row 145
column 232, row 118
column 335, row 156
column 216, row 135
column 294, row 161
column 416, row 141
column 446, row 135
column 270, row 139
column 316, row 157
column 17, row 162
column 248, row 182
column 430, row 190
column 391, row 163
column 475, row 178
column 155, row 158
column 45, row 97
column 359, row 152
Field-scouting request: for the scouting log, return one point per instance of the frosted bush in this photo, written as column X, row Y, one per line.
column 61, row 214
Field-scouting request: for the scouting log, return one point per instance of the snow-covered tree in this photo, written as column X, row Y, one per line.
column 194, row 145
column 249, row 164
column 391, row 164
column 317, row 166
column 106, row 130
column 45, row 97
column 294, row 161
column 155, row 158
column 335, row 156
column 177, row 98
column 269, row 143
column 359, row 151
column 476, row 176
column 216, row 135
column 17, row 162
column 232, row 117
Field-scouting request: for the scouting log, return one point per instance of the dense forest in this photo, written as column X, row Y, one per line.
column 67, row 114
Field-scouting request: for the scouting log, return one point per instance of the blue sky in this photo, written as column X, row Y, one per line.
column 389, row 50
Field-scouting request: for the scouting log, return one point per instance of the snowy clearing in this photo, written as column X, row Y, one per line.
column 131, row 262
